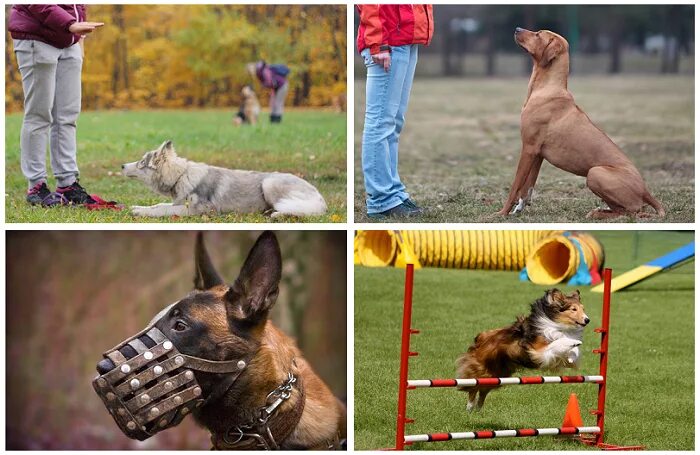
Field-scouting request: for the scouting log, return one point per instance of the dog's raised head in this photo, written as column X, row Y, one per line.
column 563, row 309
column 544, row 46
column 218, row 321
column 247, row 92
column 159, row 168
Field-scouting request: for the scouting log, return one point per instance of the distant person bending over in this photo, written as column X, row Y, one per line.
column 388, row 39
column 273, row 77
column 47, row 42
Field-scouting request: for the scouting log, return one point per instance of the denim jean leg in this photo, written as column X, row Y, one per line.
column 383, row 99
column 397, row 186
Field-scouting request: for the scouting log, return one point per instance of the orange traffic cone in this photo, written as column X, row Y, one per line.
column 572, row 416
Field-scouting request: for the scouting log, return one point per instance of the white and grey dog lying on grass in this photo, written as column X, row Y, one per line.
column 197, row 188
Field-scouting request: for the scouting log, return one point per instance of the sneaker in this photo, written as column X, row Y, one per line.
column 37, row 193
column 400, row 211
column 412, row 205
column 75, row 194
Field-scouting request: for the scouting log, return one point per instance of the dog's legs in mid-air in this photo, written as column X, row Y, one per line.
column 164, row 209
column 474, row 404
column 471, row 400
column 550, row 357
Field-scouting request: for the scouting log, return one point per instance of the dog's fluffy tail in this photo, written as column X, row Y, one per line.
column 301, row 203
column 656, row 205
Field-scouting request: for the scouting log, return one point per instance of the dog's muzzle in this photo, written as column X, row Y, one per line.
column 151, row 386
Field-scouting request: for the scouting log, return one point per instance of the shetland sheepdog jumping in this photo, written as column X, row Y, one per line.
column 547, row 339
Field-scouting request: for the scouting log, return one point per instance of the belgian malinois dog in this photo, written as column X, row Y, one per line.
column 229, row 366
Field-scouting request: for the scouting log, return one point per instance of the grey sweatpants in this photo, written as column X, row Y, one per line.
column 51, row 84
column 277, row 99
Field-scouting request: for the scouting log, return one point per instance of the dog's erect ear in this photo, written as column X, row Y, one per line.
column 553, row 49
column 256, row 289
column 167, row 145
column 554, row 297
column 165, row 151
column 205, row 275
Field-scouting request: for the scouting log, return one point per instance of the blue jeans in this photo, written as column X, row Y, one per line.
column 386, row 103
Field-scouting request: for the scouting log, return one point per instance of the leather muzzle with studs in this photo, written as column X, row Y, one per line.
column 149, row 386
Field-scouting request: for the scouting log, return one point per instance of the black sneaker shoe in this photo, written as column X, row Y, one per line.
column 412, row 205
column 400, row 211
column 37, row 193
column 75, row 194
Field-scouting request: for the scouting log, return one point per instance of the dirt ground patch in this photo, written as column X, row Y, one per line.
column 461, row 144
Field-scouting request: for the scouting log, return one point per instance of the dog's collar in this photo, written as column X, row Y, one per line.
column 268, row 429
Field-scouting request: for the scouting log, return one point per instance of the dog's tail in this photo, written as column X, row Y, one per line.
column 301, row 203
column 656, row 205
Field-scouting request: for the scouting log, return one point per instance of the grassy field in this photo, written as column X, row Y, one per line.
column 461, row 145
column 650, row 397
column 310, row 144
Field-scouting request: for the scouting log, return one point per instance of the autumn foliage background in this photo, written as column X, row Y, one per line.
column 189, row 56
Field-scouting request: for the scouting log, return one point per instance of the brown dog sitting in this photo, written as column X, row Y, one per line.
column 250, row 107
column 555, row 129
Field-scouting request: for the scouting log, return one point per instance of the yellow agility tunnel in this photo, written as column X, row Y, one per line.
column 550, row 257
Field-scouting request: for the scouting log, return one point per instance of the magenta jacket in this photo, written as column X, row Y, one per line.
column 46, row 23
column 268, row 77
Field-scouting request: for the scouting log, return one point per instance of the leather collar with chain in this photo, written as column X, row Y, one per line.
column 268, row 429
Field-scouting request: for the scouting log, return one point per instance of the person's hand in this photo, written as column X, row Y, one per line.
column 384, row 59
column 84, row 28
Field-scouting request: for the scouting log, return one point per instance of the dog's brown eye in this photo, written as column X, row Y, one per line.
column 180, row 326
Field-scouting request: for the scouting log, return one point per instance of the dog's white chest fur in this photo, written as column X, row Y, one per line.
column 564, row 341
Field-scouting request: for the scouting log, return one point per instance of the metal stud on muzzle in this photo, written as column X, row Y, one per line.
column 148, row 386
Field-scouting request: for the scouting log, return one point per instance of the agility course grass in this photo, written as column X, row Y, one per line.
column 461, row 143
column 309, row 143
column 650, row 397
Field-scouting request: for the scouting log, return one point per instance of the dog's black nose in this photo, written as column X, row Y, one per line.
column 518, row 29
column 123, row 166
column 586, row 321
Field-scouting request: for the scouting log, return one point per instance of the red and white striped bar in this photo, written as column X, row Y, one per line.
column 490, row 434
column 420, row 383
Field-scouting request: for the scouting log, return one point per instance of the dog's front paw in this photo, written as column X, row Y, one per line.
column 518, row 208
column 138, row 210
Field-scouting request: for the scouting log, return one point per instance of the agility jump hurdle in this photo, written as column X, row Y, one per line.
column 405, row 384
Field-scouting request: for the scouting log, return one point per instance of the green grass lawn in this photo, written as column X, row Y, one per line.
column 461, row 144
column 650, row 397
column 310, row 144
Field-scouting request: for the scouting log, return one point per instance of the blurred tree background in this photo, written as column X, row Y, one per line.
column 71, row 295
column 177, row 56
column 477, row 40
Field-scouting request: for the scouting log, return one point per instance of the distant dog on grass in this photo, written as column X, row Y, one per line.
column 250, row 107
column 197, row 188
column 547, row 339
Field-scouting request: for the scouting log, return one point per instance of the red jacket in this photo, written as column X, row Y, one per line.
column 46, row 23
column 394, row 25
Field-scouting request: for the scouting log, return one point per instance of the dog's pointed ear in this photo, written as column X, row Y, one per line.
column 168, row 148
column 553, row 296
column 551, row 51
column 256, row 289
column 205, row 275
